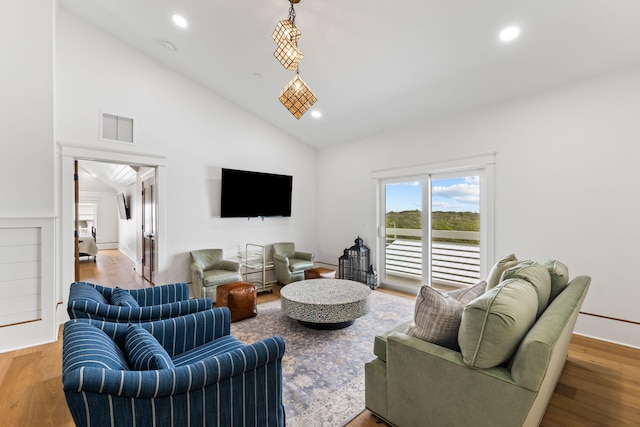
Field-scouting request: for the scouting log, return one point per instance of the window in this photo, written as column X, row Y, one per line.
column 86, row 217
column 436, row 226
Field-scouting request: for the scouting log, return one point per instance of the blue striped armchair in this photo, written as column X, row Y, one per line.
column 91, row 301
column 206, row 377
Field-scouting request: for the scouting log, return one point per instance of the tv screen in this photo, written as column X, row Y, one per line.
column 247, row 194
column 122, row 206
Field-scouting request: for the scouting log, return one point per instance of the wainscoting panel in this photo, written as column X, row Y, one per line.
column 26, row 282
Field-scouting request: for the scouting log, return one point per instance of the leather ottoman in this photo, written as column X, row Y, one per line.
column 240, row 297
column 319, row 273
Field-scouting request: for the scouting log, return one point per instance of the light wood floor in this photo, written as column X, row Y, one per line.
column 600, row 385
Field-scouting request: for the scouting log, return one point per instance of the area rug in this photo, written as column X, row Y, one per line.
column 323, row 371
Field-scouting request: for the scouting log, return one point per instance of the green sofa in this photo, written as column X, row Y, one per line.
column 413, row 382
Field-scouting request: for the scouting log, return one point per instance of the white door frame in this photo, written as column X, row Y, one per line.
column 67, row 154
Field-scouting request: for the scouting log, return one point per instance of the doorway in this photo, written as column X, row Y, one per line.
column 105, row 191
column 68, row 154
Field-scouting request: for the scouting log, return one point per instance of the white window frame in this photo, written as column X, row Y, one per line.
column 482, row 165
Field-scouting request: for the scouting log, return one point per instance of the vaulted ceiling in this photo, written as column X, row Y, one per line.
column 97, row 176
column 377, row 66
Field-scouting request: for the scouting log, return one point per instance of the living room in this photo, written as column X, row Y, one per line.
column 564, row 158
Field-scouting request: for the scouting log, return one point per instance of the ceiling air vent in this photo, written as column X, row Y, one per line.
column 117, row 128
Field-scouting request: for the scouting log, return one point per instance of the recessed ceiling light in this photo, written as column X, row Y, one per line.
column 509, row 33
column 168, row 45
column 316, row 114
column 180, row 21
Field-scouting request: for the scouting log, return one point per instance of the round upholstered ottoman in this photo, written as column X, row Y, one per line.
column 240, row 297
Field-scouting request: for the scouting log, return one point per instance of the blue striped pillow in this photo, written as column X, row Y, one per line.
column 145, row 352
column 123, row 298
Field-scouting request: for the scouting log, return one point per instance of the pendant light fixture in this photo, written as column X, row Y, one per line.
column 296, row 95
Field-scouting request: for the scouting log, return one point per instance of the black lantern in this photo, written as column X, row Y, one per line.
column 358, row 261
column 343, row 265
column 372, row 277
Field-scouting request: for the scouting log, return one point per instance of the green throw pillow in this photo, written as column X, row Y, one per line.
column 537, row 275
column 559, row 273
column 493, row 324
column 496, row 271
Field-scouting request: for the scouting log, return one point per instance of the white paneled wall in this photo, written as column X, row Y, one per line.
column 26, row 282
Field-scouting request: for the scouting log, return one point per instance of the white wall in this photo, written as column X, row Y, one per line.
column 27, row 185
column 93, row 190
column 197, row 131
column 565, row 186
column 107, row 216
column 26, row 109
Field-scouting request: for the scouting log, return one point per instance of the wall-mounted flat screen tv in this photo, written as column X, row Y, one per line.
column 122, row 206
column 247, row 194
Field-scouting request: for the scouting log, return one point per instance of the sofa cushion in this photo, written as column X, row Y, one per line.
column 559, row 273
column 537, row 275
column 496, row 271
column 296, row 264
column 216, row 347
column 123, row 297
column 493, row 324
column 466, row 295
column 219, row 277
column 144, row 351
column 436, row 318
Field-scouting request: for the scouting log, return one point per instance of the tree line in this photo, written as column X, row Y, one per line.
column 441, row 220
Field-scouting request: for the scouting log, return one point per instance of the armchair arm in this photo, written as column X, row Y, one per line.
column 304, row 255
column 230, row 265
column 281, row 258
column 196, row 268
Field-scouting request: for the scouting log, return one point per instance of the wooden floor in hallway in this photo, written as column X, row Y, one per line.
column 112, row 268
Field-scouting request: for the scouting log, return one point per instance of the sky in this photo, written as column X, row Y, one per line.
column 453, row 194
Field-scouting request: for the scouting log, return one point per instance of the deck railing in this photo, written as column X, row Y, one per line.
column 455, row 256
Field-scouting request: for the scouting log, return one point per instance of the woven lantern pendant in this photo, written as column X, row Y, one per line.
column 286, row 36
column 297, row 97
column 285, row 32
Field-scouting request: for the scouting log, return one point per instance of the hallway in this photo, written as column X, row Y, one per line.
column 112, row 268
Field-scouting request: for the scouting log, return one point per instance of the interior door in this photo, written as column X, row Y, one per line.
column 148, row 229
column 76, row 199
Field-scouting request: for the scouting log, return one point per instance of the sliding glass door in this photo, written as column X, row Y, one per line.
column 455, row 230
column 403, row 230
column 431, row 233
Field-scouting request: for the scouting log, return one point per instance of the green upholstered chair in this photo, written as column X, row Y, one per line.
column 209, row 269
column 289, row 264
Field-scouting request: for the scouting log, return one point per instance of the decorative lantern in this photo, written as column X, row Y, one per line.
column 372, row 277
column 343, row 265
column 358, row 261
